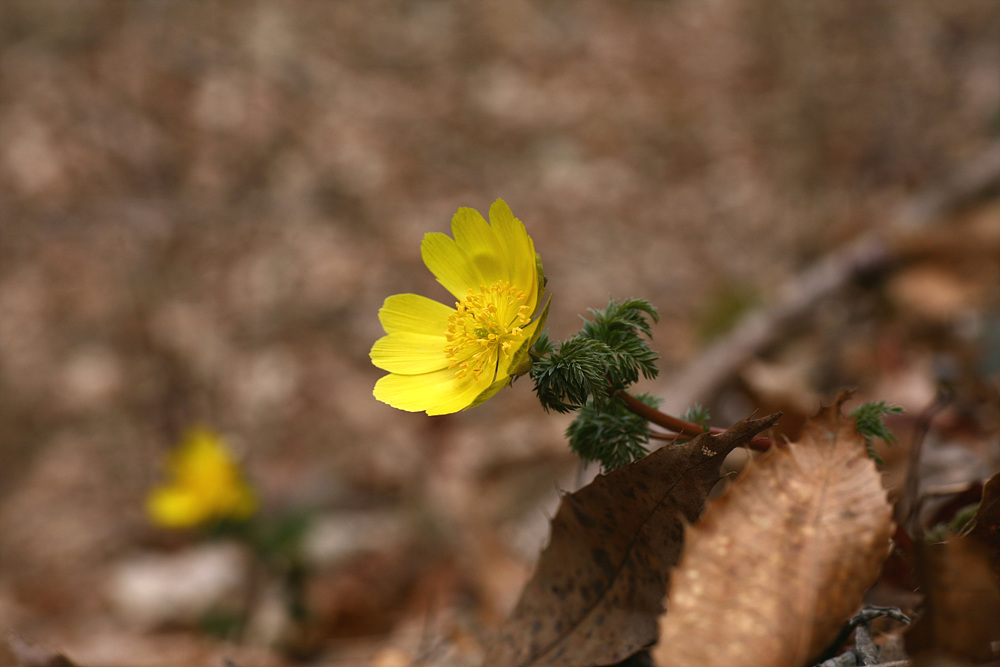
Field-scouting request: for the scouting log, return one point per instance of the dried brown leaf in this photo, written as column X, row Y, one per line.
column 961, row 615
column 961, row 581
column 779, row 562
column 598, row 587
column 986, row 528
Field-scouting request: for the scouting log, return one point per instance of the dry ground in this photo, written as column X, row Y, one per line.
column 202, row 206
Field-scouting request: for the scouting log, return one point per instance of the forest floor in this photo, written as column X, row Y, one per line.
column 203, row 205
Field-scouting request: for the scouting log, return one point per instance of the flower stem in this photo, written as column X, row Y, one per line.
column 680, row 426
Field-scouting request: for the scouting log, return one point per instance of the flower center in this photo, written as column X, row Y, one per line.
column 485, row 325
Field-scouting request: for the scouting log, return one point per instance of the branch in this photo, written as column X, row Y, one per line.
column 679, row 426
column 876, row 250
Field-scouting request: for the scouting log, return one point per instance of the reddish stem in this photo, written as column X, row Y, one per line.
column 680, row 426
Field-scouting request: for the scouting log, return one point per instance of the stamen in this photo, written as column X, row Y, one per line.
column 484, row 326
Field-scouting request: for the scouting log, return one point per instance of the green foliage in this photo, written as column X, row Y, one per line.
column 620, row 320
column 221, row 624
column 609, row 354
column 612, row 435
column 542, row 346
column 962, row 523
column 573, row 372
column 868, row 419
column 698, row 414
column 965, row 519
column 281, row 539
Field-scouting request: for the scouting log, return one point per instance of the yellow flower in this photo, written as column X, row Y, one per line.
column 205, row 485
column 442, row 359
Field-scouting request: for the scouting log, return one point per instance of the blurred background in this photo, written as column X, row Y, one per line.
column 203, row 205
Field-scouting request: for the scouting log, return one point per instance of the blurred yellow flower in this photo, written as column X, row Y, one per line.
column 442, row 360
column 205, row 484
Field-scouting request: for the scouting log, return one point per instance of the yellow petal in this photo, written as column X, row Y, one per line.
column 412, row 313
column 200, row 458
column 206, row 483
column 490, row 392
column 464, row 397
column 413, row 351
column 451, row 265
column 519, row 361
column 475, row 236
column 436, row 393
column 410, row 353
column 413, row 393
column 540, row 278
column 518, row 250
column 175, row 507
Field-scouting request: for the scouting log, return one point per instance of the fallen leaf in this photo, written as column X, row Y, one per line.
column 962, row 606
column 986, row 528
column 597, row 590
column 932, row 293
column 961, row 581
column 778, row 563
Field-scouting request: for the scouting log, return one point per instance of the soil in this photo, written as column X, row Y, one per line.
column 203, row 205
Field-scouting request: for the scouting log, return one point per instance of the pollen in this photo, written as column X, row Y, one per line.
column 484, row 328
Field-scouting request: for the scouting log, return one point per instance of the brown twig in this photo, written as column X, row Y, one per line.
column 909, row 506
column 679, row 427
column 874, row 251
